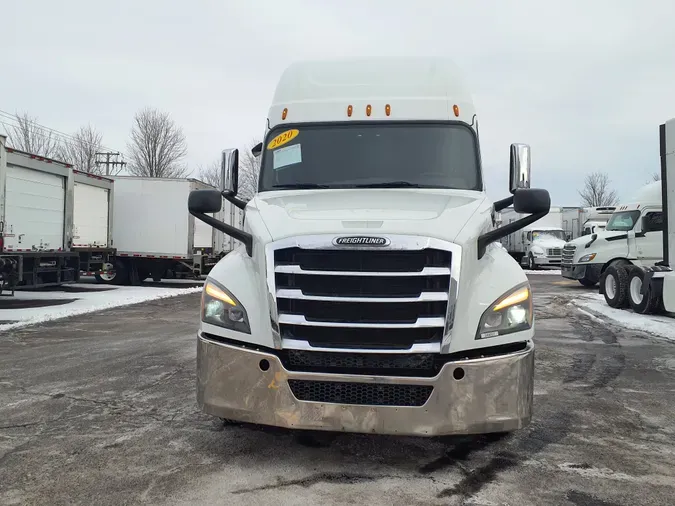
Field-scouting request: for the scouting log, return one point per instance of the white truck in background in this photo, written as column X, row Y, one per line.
column 596, row 219
column 538, row 244
column 369, row 297
column 36, row 217
column 632, row 236
column 156, row 237
column 636, row 281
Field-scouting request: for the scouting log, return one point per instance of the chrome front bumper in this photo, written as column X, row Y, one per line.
column 494, row 395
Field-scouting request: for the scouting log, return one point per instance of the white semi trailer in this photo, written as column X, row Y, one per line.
column 156, row 237
column 369, row 294
column 36, row 217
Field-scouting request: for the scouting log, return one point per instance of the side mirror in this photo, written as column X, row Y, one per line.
column 205, row 201
column 652, row 222
column 257, row 150
column 531, row 201
column 229, row 171
column 519, row 167
column 568, row 237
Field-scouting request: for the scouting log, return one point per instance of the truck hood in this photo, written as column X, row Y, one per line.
column 585, row 239
column 436, row 213
column 548, row 242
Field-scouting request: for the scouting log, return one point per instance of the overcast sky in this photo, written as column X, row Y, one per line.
column 586, row 84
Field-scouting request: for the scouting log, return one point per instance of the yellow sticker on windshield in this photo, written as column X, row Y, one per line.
column 283, row 138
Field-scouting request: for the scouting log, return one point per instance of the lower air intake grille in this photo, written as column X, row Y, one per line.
column 360, row 393
column 417, row 364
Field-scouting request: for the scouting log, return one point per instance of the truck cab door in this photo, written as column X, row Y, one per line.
column 649, row 242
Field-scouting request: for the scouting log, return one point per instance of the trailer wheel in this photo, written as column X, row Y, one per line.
column 105, row 277
column 615, row 284
column 647, row 303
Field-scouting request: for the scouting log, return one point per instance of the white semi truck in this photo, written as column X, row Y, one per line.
column 639, row 282
column 632, row 236
column 539, row 244
column 369, row 293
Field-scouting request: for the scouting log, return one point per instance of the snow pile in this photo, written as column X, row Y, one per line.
column 547, row 272
column 87, row 301
column 662, row 326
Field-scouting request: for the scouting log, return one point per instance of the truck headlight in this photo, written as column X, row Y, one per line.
column 512, row 312
column 587, row 258
column 537, row 251
column 221, row 308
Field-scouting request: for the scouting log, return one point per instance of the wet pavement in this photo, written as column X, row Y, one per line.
column 100, row 409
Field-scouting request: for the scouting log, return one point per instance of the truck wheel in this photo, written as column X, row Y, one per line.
column 615, row 284
column 647, row 303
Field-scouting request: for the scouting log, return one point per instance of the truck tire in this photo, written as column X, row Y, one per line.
column 647, row 303
column 615, row 284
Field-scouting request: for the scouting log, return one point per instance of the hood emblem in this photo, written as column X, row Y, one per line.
column 359, row 240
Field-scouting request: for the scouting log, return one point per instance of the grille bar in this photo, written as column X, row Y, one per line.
column 293, row 319
column 427, row 271
column 299, row 295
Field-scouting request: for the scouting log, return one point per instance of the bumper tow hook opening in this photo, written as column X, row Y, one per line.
column 264, row 365
column 458, row 373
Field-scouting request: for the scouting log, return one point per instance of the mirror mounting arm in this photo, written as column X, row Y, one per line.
column 496, row 234
column 503, row 204
column 229, row 196
column 239, row 235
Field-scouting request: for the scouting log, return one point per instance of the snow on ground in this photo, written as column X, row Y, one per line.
column 662, row 326
column 548, row 272
column 88, row 299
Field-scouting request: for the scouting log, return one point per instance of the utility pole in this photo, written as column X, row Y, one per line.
column 108, row 162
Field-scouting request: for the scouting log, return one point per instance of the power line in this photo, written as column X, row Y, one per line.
column 57, row 133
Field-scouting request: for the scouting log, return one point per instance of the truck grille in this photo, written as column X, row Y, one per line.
column 553, row 252
column 568, row 254
column 360, row 393
column 362, row 298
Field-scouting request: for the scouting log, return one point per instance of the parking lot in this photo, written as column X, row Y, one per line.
column 100, row 408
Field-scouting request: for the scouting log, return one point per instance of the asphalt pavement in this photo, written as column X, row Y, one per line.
column 100, row 409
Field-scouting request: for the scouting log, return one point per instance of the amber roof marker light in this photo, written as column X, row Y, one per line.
column 455, row 109
column 369, row 110
column 387, row 110
column 350, row 109
column 284, row 113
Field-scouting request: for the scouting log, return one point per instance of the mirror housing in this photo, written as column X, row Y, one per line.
column 519, row 167
column 229, row 171
column 531, row 201
column 205, row 201
column 257, row 150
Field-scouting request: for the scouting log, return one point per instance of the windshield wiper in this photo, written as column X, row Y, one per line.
column 389, row 184
column 300, row 186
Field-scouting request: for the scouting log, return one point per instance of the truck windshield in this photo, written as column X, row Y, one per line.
column 371, row 156
column 622, row 221
column 548, row 234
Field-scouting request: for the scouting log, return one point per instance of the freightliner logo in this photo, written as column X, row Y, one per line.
column 361, row 241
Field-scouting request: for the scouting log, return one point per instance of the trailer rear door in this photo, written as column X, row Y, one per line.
column 35, row 209
column 90, row 216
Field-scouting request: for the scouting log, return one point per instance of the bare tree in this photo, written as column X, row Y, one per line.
column 249, row 170
column 596, row 191
column 81, row 149
column 211, row 173
column 30, row 137
column 655, row 177
column 157, row 146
